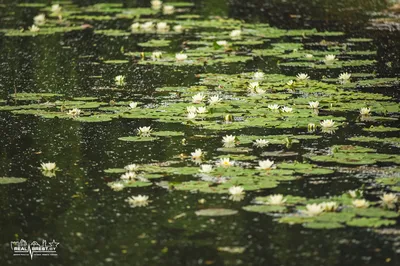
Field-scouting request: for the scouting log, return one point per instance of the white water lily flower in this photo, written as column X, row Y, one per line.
column 133, row 105
column 197, row 154
column 302, row 77
column 74, row 112
column 311, row 127
column 135, row 26
column 56, row 8
column 344, row 77
column 198, row 98
column 313, row 209
column 144, row 131
column 314, row 105
column 308, row 56
column 181, row 57
column 156, row 4
column 201, row 110
column 277, row 199
column 290, row 83
column 229, row 140
column 138, row 201
column 286, row 109
column 156, row 55
column 360, row 203
column 355, row 193
column 214, row 100
column 222, row 43
column 131, row 167
column 259, row 91
column 39, row 19
column 178, row 28
column 253, row 86
column 191, row 116
column 327, row 123
column 273, row 107
column 162, row 26
column 329, row 59
column 168, row 10
column 225, row 162
column 206, row 168
column 128, row 176
column 389, row 198
column 236, row 197
column 365, row 111
column 236, row 190
column 147, row 26
column 330, row 206
column 191, row 109
column 120, row 80
column 48, row 167
column 228, row 118
column 235, row 33
column 265, row 165
column 261, row 143
column 34, row 28
column 258, row 75
column 116, row 186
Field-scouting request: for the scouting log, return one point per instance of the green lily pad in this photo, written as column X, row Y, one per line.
column 216, row 212
column 323, row 225
column 351, row 148
column 168, row 133
column 381, row 129
column 11, row 180
column 264, row 208
column 114, row 171
column 370, row 222
column 137, row 184
column 138, row 138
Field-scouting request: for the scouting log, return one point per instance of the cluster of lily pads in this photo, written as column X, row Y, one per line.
column 219, row 104
column 335, row 212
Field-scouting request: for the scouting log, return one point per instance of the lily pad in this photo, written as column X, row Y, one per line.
column 11, row 180
column 138, row 138
column 216, row 212
column 264, row 208
column 370, row 222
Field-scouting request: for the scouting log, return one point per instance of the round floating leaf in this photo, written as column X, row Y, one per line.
column 216, row 212
column 370, row 222
column 94, row 118
column 114, row 170
column 137, row 184
column 11, row 180
column 339, row 217
column 168, row 134
column 315, row 171
column 372, row 212
column 323, row 225
column 351, row 148
column 138, row 138
column 381, row 129
column 264, row 208
column 295, row 166
column 296, row 219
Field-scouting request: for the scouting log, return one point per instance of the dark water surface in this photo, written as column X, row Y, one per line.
column 93, row 224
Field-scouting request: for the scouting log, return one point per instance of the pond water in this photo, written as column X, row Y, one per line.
column 234, row 79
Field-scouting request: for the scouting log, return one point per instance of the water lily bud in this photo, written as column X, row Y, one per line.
column 228, row 118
